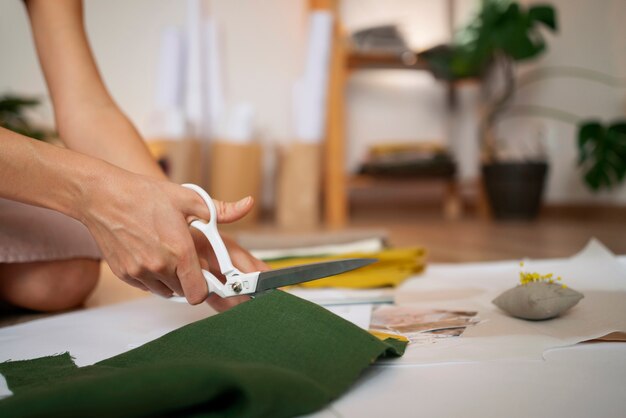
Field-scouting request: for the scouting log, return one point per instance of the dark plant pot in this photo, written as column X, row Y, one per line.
column 515, row 189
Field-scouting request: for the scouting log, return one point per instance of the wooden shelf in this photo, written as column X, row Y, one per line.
column 343, row 61
column 379, row 61
column 363, row 61
column 362, row 181
column 452, row 205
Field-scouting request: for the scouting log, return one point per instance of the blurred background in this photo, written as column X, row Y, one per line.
column 480, row 130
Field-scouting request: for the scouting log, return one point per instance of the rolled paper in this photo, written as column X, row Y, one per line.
column 169, row 86
column 194, row 103
column 167, row 119
column 310, row 91
column 213, row 100
column 240, row 124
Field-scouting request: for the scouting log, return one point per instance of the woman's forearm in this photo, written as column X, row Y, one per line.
column 48, row 176
column 87, row 118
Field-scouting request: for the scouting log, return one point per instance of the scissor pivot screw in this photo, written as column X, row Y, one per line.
column 236, row 287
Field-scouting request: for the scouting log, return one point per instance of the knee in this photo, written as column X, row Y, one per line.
column 67, row 286
column 50, row 286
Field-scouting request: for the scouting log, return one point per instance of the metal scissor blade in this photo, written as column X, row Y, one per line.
column 307, row 272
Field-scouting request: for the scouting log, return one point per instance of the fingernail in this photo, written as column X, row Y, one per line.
column 243, row 202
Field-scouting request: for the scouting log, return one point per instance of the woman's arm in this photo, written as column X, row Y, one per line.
column 139, row 222
column 87, row 118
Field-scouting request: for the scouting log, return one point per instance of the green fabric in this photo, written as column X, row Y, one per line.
column 275, row 356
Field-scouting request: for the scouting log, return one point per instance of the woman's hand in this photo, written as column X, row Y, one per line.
column 141, row 226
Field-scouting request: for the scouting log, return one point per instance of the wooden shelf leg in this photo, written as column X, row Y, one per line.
column 452, row 203
column 335, row 179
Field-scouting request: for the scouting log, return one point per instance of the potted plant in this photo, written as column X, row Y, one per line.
column 500, row 35
column 601, row 145
column 13, row 116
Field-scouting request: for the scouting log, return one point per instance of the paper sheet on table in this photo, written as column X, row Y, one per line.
column 359, row 315
column 594, row 271
column 368, row 245
column 337, row 296
column 96, row 334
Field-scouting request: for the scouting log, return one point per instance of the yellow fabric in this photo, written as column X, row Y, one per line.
column 394, row 266
column 385, row 336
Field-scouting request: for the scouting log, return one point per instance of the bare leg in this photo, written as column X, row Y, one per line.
column 48, row 286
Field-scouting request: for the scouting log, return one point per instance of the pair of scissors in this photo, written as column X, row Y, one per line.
column 238, row 283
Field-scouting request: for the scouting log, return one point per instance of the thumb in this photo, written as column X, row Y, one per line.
column 194, row 207
column 233, row 211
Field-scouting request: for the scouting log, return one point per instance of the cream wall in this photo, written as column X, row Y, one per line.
column 262, row 47
column 592, row 35
column 123, row 34
column 262, row 44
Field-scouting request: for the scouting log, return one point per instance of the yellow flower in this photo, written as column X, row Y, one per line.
column 533, row 277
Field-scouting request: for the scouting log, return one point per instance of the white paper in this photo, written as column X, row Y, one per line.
column 311, row 90
column 595, row 272
column 5, row 392
column 577, row 382
column 368, row 245
column 359, row 315
column 336, row 296
column 97, row 334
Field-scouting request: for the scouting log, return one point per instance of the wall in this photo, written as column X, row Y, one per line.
column 263, row 55
column 261, row 43
column 591, row 35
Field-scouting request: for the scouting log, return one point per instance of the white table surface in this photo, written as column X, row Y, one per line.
column 586, row 380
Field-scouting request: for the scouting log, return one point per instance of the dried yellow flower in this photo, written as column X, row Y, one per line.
column 534, row 277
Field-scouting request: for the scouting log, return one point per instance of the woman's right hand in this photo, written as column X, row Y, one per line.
column 142, row 227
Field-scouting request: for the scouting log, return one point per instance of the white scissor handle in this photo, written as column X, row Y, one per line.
column 237, row 283
column 209, row 229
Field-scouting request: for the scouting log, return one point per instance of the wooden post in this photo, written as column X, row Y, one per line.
column 335, row 181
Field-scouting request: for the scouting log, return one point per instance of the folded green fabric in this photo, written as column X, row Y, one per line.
column 275, row 356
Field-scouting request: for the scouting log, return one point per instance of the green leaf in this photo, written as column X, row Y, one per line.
column 602, row 154
column 545, row 14
column 12, row 115
column 515, row 41
column 14, row 104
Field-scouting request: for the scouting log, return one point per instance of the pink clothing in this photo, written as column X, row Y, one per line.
column 29, row 233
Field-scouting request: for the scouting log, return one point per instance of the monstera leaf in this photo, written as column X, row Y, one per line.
column 602, row 153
